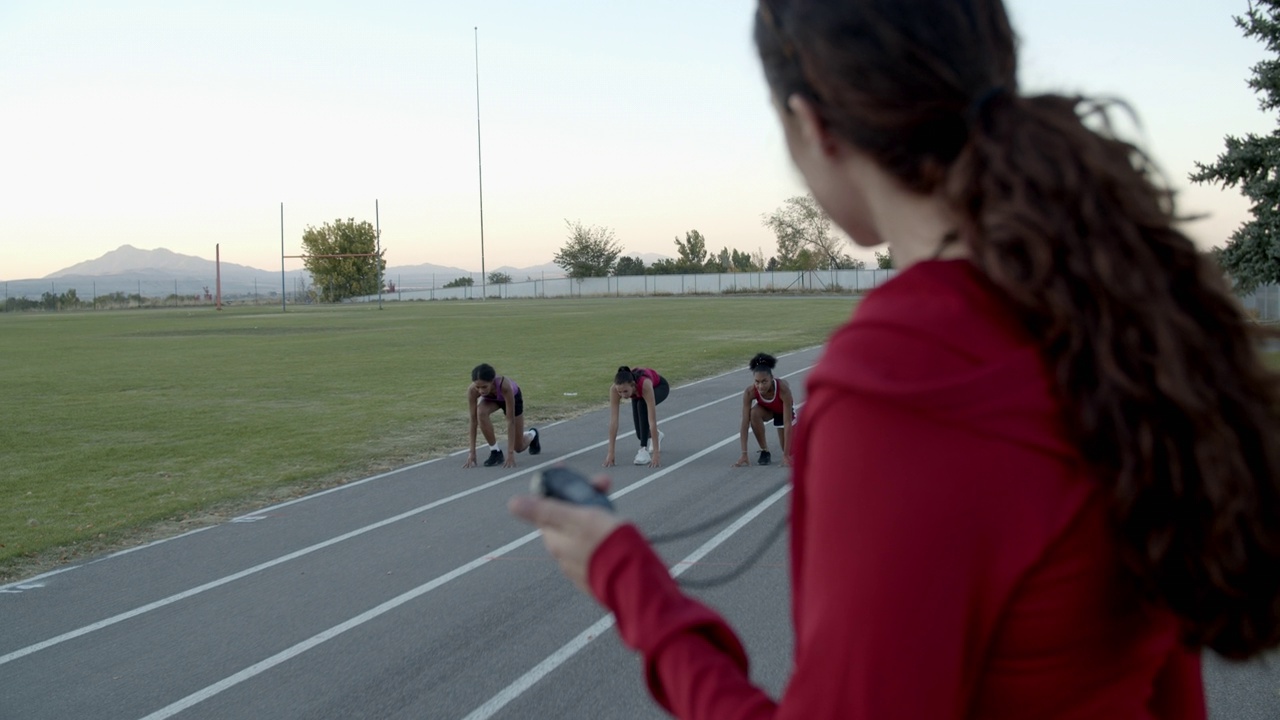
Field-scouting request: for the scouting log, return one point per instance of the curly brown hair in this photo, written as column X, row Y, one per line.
column 1157, row 367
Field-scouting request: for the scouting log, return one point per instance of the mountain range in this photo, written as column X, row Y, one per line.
column 159, row 272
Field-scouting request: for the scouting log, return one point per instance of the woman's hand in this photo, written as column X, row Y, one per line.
column 570, row 532
column 655, row 459
column 742, row 461
column 471, row 461
column 608, row 460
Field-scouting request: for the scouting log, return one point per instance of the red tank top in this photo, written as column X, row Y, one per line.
column 774, row 404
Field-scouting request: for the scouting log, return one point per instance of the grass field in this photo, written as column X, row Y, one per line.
column 124, row 426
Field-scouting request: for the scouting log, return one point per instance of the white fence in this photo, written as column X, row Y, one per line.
column 850, row 281
column 1263, row 303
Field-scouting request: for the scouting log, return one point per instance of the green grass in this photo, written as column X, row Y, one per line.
column 122, row 425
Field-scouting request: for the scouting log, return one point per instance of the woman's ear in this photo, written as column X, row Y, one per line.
column 813, row 131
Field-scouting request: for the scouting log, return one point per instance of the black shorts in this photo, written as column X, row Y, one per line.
column 777, row 417
column 503, row 406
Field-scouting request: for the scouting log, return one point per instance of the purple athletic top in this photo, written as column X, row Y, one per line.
column 497, row 390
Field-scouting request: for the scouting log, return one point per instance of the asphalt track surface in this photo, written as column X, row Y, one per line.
column 413, row 594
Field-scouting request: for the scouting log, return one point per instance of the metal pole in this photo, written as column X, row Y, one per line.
column 217, row 277
column 282, row 290
column 377, row 230
column 484, row 291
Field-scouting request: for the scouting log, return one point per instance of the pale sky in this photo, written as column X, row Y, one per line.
column 185, row 125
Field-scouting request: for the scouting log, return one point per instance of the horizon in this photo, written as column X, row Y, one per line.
column 650, row 121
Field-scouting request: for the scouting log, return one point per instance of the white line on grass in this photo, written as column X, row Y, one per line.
column 571, row 648
column 289, row 653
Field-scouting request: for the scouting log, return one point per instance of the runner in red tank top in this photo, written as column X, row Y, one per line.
column 766, row 398
column 645, row 388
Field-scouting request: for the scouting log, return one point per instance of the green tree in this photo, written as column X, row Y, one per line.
column 589, row 252
column 629, row 266
column 1252, row 254
column 742, row 262
column 805, row 237
column 465, row 281
column 692, row 252
column 665, row 266
column 343, row 259
column 721, row 262
column 884, row 260
column 499, row 278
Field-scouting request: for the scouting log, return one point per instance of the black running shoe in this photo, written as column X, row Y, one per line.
column 535, row 447
column 765, row 458
column 495, row 458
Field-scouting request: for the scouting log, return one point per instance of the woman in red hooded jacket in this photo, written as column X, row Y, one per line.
column 1067, row 476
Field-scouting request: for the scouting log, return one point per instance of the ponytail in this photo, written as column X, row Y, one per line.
column 1157, row 368
column 624, row 375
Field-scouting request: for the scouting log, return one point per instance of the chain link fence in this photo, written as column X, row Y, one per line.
column 847, row 281
column 1263, row 303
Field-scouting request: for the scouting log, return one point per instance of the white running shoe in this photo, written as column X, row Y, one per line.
column 661, row 435
column 642, row 457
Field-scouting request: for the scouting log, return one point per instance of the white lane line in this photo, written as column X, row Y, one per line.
column 261, row 667
column 107, row 622
column 129, row 614
column 571, row 648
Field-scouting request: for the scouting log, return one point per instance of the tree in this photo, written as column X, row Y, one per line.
column 805, row 237
column 665, row 266
column 742, row 262
column 1252, row 254
column 629, row 266
column 884, row 260
column 693, row 252
column 339, row 278
column 759, row 261
column 499, row 278
column 465, row 281
column 589, row 252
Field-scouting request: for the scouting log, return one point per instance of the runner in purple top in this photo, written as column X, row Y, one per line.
column 645, row 388
column 489, row 392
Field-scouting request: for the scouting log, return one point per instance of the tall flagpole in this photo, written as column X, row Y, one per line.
column 377, row 257
column 484, row 290
column 283, row 294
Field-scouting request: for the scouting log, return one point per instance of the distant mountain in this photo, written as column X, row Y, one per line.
column 160, row 272
column 131, row 260
column 154, row 273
